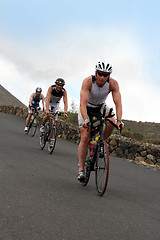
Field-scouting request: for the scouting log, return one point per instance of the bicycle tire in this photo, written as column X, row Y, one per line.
column 51, row 149
column 102, row 171
column 29, row 127
column 87, row 168
column 43, row 139
column 34, row 127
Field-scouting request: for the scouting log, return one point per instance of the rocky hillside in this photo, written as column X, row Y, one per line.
column 7, row 98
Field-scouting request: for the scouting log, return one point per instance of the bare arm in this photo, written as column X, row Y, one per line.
column 43, row 101
column 31, row 99
column 116, row 98
column 84, row 96
column 65, row 100
column 48, row 97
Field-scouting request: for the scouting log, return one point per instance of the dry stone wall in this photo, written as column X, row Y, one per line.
column 143, row 153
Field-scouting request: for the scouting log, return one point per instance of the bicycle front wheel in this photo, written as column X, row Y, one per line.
column 52, row 141
column 30, row 124
column 87, row 168
column 29, row 127
column 43, row 139
column 33, row 127
column 102, row 170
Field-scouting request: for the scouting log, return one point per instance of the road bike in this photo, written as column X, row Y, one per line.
column 32, row 127
column 49, row 128
column 97, row 159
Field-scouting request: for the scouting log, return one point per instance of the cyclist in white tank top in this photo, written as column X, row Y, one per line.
column 94, row 92
column 98, row 95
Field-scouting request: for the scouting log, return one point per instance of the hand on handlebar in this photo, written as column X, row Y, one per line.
column 47, row 112
column 86, row 124
column 120, row 125
column 65, row 115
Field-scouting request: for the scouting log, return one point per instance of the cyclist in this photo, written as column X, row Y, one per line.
column 35, row 98
column 94, row 92
column 54, row 95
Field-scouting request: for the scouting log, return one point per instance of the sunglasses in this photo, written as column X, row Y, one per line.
column 103, row 74
column 60, row 85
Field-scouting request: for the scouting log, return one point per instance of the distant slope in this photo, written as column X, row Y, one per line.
column 147, row 128
column 8, row 99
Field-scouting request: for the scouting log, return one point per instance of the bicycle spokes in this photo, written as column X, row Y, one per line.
column 102, row 170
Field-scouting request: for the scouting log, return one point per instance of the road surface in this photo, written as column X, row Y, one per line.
column 41, row 199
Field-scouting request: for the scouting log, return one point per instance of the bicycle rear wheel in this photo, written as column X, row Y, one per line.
column 87, row 168
column 33, row 127
column 52, row 141
column 102, row 170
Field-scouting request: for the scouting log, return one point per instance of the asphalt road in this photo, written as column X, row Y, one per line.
column 41, row 199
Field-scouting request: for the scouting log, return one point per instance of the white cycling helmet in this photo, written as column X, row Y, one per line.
column 38, row 89
column 104, row 67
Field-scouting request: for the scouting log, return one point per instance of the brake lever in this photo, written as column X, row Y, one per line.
column 110, row 114
column 120, row 127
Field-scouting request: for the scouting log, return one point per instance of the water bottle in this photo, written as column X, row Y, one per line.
column 97, row 138
column 92, row 147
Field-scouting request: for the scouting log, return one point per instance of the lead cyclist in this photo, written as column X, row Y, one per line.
column 94, row 92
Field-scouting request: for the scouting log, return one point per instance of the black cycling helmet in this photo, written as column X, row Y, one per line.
column 60, row 81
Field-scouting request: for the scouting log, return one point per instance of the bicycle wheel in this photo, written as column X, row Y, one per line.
column 102, row 170
column 51, row 147
column 87, row 168
column 33, row 126
column 29, row 126
column 43, row 139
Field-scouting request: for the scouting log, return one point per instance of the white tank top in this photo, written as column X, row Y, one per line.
column 98, row 95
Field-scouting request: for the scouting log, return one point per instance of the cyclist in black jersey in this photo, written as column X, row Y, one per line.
column 55, row 93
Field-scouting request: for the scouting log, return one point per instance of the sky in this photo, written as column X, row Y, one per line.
column 41, row 40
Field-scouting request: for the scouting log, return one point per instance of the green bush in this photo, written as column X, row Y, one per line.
column 72, row 118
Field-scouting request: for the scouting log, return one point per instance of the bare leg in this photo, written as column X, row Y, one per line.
column 28, row 119
column 53, row 132
column 82, row 148
column 108, row 129
column 45, row 119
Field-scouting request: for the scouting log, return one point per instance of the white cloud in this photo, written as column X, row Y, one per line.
column 73, row 57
